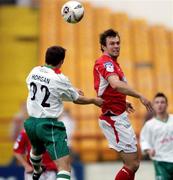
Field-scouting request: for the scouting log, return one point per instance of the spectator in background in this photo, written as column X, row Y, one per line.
column 22, row 149
column 70, row 125
column 156, row 138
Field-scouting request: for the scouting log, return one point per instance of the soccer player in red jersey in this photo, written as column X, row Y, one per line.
column 22, row 149
column 111, row 85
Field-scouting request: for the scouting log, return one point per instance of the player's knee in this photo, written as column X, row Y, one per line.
column 64, row 163
column 135, row 166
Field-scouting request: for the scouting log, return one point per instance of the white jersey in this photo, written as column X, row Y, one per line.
column 158, row 135
column 47, row 91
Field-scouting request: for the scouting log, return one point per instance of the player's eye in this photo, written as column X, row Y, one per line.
column 118, row 43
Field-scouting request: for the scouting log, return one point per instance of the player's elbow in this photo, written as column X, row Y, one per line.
column 80, row 100
column 76, row 102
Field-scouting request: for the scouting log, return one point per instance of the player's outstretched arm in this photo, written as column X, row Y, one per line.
column 85, row 100
column 146, row 103
column 124, row 88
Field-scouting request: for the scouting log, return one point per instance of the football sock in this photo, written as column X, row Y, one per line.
column 125, row 174
column 63, row 175
column 36, row 162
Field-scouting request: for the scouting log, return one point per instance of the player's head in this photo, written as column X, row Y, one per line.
column 110, row 42
column 160, row 103
column 55, row 55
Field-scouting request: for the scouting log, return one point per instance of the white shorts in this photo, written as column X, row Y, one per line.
column 47, row 175
column 119, row 133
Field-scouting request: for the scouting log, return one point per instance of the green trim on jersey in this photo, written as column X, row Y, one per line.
column 163, row 120
column 63, row 176
column 49, row 66
column 47, row 134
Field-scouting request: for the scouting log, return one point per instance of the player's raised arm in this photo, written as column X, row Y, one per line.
column 124, row 88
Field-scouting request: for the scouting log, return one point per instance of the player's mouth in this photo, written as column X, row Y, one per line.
column 116, row 52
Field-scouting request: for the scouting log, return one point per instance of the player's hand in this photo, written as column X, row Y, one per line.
column 146, row 103
column 129, row 107
column 98, row 101
column 80, row 92
column 151, row 153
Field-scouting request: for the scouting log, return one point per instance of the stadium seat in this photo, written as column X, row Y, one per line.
column 88, row 128
column 143, row 60
column 162, row 61
column 6, row 150
column 102, row 20
column 89, row 150
column 19, row 49
column 49, row 25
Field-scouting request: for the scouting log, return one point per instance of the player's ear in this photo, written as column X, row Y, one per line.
column 103, row 48
column 62, row 61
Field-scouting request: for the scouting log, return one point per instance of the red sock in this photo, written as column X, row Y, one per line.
column 125, row 174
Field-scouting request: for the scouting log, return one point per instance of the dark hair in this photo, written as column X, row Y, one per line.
column 107, row 33
column 54, row 55
column 160, row 94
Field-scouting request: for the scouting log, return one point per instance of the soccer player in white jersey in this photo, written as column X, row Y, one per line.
column 156, row 138
column 48, row 88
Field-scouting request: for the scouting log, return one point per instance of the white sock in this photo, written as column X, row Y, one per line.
column 63, row 175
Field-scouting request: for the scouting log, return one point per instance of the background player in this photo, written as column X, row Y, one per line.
column 111, row 85
column 48, row 88
column 156, row 138
column 22, row 149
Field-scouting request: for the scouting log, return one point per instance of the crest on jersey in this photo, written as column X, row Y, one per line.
column 109, row 67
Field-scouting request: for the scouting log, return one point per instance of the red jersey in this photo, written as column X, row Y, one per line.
column 114, row 101
column 23, row 146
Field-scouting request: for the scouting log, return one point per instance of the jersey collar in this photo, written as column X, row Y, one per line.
column 106, row 54
column 163, row 120
column 55, row 69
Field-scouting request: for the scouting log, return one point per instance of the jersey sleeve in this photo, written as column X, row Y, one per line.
column 106, row 69
column 19, row 145
column 67, row 91
column 145, row 138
